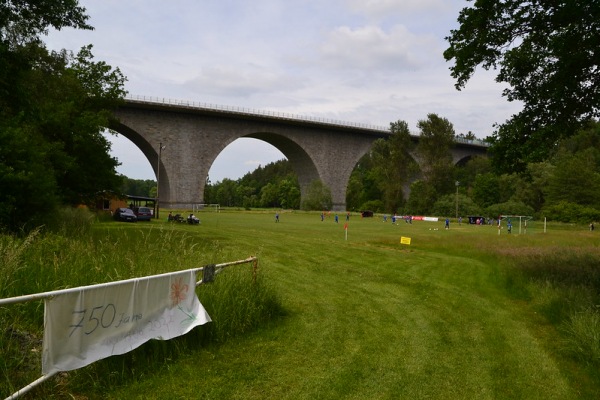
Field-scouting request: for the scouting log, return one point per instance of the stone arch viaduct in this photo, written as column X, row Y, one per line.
column 195, row 134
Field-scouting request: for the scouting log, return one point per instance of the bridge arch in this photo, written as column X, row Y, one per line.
column 301, row 161
column 148, row 149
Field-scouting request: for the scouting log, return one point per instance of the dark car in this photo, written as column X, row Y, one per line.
column 366, row 214
column 143, row 213
column 125, row 214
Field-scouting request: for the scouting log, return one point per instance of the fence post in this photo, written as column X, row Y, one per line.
column 254, row 270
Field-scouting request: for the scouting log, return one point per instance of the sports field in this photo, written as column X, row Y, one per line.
column 366, row 316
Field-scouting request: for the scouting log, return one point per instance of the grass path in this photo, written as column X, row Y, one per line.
column 370, row 318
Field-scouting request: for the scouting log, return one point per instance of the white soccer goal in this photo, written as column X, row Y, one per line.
column 202, row 206
column 524, row 222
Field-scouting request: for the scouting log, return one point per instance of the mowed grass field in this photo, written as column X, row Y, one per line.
column 371, row 318
column 366, row 317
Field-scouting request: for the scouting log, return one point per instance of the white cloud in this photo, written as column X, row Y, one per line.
column 231, row 81
column 373, row 49
column 386, row 8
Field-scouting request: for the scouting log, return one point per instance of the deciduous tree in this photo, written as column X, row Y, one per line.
column 434, row 149
column 317, row 197
column 362, row 185
column 393, row 165
column 548, row 53
column 486, row 190
column 53, row 107
column 575, row 179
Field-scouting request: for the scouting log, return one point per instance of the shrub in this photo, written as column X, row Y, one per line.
column 571, row 212
column 373, row 205
column 447, row 206
column 318, row 197
column 509, row 208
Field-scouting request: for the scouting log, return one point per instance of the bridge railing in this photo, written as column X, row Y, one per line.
column 251, row 111
column 276, row 114
column 477, row 142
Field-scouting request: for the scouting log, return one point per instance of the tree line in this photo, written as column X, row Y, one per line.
column 138, row 187
column 274, row 185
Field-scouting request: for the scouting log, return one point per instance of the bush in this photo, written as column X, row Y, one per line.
column 509, row 208
column 318, row 197
column 571, row 212
column 446, row 206
column 374, row 205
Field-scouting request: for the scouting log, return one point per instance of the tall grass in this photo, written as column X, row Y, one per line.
column 564, row 284
column 239, row 302
column 72, row 222
column 65, row 257
column 582, row 335
column 12, row 251
column 17, row 342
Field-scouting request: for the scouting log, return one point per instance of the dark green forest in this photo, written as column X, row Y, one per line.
column 138, row 187
column 275, row 185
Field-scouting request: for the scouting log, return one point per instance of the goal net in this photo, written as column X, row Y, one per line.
column 204, row 207
column 521, row 224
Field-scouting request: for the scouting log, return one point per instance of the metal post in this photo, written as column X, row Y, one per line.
column 160, row 149
column 457, row 184
column 33, row 384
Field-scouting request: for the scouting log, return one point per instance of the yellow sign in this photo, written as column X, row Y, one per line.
column 404, row 240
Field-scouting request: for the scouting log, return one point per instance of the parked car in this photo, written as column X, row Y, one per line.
column 143, row 213
column 366, row 214
column 125, row 214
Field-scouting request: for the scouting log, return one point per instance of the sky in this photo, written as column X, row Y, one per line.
column 365, row 61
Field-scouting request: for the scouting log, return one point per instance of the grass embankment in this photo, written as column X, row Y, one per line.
column 447, row 317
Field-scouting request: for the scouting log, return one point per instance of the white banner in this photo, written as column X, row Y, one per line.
column 103, row 320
